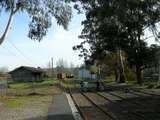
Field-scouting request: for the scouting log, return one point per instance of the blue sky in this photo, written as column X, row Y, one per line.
column 19, row 50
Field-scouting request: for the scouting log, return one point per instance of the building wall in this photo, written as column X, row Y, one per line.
column 22, row 75
column 85, row 74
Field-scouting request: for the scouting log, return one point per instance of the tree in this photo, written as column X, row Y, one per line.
column 119, row 26
column 61, row 65
column 40, row 12
column 4, row 69
column 93, row 70
column 103, row 37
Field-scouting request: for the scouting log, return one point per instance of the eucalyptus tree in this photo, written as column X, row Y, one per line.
column 40, row 13
column 102, row 32
column 138, row 16
column 120, row 25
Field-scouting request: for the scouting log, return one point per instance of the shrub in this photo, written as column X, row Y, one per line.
column 150, row 86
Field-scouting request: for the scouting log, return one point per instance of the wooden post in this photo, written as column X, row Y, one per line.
column 52, row 67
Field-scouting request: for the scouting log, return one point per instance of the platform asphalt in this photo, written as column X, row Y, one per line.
column 60, row 109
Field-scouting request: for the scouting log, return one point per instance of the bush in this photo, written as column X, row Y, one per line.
column 150, row 86
column 130, row 74
column 158, row 87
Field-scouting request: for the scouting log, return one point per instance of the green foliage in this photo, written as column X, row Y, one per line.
column 46, row 83
column 130, row 74
column 112, row 25
column 93, row 69
column 41, row 13
column 25, row 101
column 158, row 87
column 151, row 86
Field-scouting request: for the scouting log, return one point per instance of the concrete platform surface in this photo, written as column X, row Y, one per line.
column 60, row 109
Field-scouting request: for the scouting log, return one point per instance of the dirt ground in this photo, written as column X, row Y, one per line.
column 22, row 103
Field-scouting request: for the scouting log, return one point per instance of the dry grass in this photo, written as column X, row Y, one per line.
column 25, row 101
column 25, row 107
column 49, row 87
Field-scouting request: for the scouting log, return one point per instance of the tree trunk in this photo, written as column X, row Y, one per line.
column 116, row 75
column 8, row 27
column 122, row 77
column 139, row 75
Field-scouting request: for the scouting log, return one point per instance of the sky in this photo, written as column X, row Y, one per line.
column 18, row 50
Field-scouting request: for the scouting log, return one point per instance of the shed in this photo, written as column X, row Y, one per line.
column 27, row 74
column 61, row 76
column 85, row 74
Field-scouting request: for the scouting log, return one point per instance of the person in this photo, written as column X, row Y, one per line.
column 85, row 86
column 81, row 86
column 98, row 84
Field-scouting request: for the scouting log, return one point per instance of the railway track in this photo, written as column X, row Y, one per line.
column 88, row 109
column 108, row 113
column 123, row 105
column 103, row 109
column 115, row 106
column 147, row 102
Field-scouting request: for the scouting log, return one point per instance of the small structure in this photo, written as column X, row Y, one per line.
column 86, row 74
column 61, row 76
column 48, row 72
column 69, row 75
column 27, row 74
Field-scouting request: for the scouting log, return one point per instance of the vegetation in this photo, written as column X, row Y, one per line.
column 46, row 83
column 40, row 12
column 48, row 87
column 118, row 27
column 24, row 101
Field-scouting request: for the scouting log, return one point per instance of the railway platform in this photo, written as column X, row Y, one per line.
column 60, row 109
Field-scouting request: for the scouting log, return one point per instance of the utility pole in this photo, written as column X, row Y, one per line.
column 52, row 67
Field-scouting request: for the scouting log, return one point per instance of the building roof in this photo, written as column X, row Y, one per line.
column 32, row 69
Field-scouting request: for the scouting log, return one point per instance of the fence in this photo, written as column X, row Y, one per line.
column 3, row 88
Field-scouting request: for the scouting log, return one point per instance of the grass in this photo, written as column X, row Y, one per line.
column 25, row 101
column 46, row 83
column 47, row 87
column 24, row 98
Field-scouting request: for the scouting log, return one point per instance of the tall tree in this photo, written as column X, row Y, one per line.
column 119, row 25
column 40, row 12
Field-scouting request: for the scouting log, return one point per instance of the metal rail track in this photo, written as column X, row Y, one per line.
column 140, row 116
column 151, row 94
column 133, row 103
column 121, row 107
column 95, row 105
column 80, row 111
column 132, row 89
column 102, row 110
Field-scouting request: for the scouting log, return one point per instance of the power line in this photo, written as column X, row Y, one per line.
column 12, row 53
column 21, row 53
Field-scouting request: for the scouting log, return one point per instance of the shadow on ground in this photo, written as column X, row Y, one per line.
column 137, row 107
column 53, row 117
